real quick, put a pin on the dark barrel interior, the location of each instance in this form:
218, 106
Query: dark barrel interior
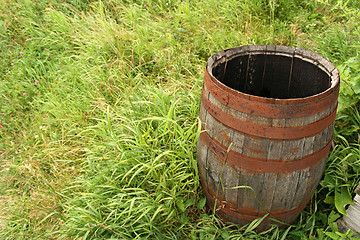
272, 76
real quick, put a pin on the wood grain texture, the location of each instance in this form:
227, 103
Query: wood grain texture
275, 149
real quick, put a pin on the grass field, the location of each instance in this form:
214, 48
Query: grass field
99, 113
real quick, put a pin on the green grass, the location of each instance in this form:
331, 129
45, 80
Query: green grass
99, 107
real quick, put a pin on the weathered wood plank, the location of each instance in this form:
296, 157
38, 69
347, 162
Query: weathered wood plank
255, 71
300, 188
269, 185
275, 149
202, 156
246, 199
283, 185
294, 178
214, 175
238, 142
292, 149
231, 181
256, 147
315, 173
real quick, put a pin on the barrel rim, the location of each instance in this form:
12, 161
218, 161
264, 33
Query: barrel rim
301, 53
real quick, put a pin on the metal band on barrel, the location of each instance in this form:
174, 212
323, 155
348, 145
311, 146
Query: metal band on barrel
235, 159
265, 131
247, 213
268, 107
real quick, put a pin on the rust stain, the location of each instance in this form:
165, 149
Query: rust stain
294, 150
268, 107
248, 213
235, 159
265, 131
255, 150
226, 138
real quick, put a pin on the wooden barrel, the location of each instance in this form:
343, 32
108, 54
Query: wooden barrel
267, 115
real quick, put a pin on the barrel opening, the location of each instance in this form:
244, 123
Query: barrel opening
272, 75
